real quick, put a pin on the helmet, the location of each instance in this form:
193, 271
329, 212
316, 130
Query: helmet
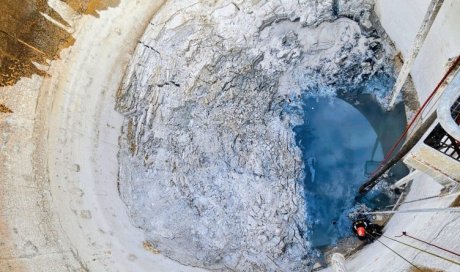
361, 231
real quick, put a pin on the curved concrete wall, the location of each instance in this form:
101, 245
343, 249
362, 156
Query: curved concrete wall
60, 209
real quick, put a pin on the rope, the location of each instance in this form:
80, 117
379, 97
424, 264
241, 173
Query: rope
425, 198
419, 111
416, 267
422, 250
455, 210
405, 234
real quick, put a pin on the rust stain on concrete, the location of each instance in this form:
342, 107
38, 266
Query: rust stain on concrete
5, 109
91, 6
26, 36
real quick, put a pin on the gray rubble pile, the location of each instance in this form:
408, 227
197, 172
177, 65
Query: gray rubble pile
209, 167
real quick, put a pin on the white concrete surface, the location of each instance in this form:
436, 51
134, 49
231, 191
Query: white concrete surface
60, 209
402, 19
445, 114
425, 26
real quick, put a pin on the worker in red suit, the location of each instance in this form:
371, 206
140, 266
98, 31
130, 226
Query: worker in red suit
366, 231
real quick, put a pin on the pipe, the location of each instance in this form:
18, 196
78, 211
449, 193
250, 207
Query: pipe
428, 20
405, 179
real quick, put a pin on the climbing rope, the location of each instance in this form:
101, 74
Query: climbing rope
405, 234
402, 257
422, 250
452, 210
412, 122
425, 198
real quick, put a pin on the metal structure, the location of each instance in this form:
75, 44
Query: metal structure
441, 140
444, 143
417, 155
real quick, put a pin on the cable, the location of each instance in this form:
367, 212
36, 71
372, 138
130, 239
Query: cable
422, 250
425, 198
416, 267
405, 234
427, 210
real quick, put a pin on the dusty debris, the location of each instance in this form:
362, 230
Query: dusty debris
209, 167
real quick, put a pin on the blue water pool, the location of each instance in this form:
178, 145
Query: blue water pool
342, 139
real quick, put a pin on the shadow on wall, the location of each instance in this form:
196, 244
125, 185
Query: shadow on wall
28, 37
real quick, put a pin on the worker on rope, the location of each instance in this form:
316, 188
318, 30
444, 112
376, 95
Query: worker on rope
365, 230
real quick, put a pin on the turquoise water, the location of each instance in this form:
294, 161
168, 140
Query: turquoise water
342, 139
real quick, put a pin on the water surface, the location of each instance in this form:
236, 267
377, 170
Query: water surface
342, 141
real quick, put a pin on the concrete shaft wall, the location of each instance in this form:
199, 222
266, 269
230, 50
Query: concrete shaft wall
402, 19
59, 211
59, 207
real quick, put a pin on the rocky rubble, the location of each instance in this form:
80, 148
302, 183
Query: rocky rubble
209, 167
